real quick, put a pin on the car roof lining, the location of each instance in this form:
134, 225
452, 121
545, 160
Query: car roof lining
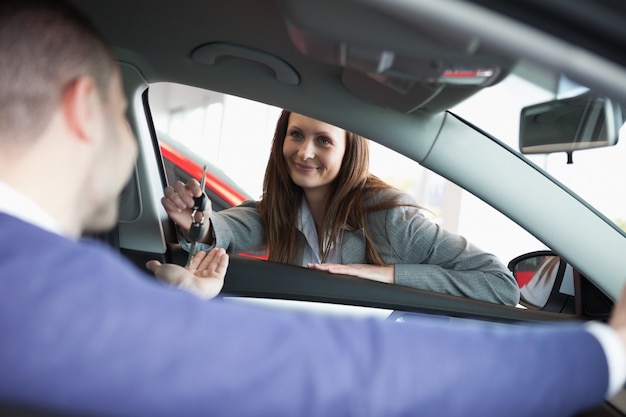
175, 56
160, 58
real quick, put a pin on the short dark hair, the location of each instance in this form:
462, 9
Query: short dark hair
44, 47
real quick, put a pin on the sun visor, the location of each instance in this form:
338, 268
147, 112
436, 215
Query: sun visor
428, 68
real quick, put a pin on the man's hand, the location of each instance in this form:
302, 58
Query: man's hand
383, 273
178, 202
204, 276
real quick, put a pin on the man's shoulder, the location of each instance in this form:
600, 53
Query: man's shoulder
22, 239
26, 249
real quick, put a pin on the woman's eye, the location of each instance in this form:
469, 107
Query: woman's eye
295, 134
324, 140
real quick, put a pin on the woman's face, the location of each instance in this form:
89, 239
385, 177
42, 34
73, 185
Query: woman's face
313, 151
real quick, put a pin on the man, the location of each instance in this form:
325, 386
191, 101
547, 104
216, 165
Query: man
84, 332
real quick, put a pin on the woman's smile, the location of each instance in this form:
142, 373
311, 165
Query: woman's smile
305, 168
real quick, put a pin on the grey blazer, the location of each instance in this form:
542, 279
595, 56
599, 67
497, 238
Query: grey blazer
425, 255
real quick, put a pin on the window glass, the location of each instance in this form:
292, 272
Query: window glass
235, 135
231, 133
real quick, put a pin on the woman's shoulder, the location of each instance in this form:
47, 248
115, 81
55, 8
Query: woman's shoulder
389, 194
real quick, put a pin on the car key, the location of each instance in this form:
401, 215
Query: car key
197, 218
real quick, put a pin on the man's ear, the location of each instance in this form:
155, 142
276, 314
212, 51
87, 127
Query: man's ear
79, 105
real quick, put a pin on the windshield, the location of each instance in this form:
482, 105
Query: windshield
596, 175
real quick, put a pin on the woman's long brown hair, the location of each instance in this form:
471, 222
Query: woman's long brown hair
346, 209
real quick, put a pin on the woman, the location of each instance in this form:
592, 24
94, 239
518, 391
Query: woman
321, 208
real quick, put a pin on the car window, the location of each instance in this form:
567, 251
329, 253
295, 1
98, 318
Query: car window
216, 127
235, 134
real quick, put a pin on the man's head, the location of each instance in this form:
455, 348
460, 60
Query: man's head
62, 109
43, 48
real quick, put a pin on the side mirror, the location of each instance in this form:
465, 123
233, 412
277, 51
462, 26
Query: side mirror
546, 281
566, 125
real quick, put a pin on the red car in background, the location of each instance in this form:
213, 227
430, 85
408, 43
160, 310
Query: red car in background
181, 164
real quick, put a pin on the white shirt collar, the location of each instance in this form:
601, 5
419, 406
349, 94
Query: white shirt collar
16, 204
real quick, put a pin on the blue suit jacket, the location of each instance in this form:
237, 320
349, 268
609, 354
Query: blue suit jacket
83, 330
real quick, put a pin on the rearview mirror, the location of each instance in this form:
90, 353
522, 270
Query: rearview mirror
567, 125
